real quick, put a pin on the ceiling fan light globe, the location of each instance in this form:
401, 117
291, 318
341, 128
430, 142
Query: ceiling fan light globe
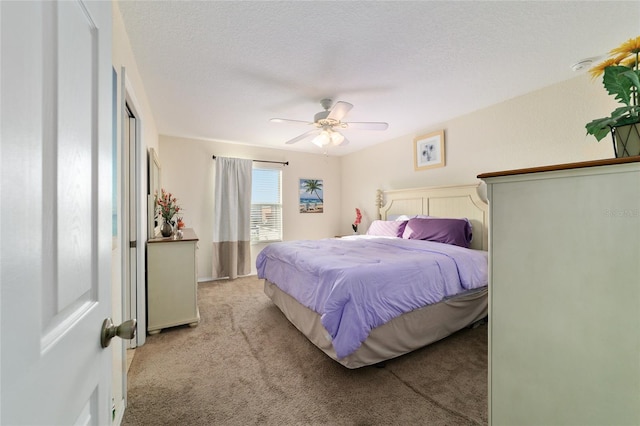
336, 138
324, 138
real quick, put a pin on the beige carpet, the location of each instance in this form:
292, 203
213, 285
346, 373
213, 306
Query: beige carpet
245, 364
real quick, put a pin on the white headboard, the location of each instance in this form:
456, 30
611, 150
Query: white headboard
446, 201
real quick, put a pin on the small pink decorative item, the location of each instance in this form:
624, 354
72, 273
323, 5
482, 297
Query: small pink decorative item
357, 221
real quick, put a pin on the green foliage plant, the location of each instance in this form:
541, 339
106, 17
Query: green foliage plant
621, 79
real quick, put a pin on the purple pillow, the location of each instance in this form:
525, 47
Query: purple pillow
441, 230
387, 228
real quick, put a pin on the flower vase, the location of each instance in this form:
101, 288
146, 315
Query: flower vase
166, 229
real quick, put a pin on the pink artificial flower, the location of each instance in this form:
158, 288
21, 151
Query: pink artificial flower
357, 221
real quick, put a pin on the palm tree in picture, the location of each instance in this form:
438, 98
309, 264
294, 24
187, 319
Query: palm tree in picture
312, 186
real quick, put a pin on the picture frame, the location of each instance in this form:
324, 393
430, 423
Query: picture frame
311, 195
428, 151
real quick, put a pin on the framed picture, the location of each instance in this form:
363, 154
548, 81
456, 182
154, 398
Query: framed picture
429, 151
311, 196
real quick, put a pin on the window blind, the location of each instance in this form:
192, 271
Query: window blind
266, 205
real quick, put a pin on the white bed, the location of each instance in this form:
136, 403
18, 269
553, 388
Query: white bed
421, 326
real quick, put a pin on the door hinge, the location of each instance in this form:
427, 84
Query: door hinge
132, 244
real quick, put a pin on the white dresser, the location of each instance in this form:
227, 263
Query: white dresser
564, 307
172, 282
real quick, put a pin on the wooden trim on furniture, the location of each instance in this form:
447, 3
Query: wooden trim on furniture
558, 167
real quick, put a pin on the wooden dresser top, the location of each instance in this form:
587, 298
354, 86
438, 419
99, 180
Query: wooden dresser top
566, 166
188, 235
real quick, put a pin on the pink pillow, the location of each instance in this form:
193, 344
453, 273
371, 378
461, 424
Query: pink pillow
441, 230
387, 228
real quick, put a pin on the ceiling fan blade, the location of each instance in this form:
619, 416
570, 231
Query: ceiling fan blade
339, 110
366, 125
302, 136
286, 120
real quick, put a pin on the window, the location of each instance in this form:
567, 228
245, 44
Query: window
266, 205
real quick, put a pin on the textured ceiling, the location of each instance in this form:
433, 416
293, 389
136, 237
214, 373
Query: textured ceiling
221, 69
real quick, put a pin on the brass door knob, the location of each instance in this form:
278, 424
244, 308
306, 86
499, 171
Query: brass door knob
126, 330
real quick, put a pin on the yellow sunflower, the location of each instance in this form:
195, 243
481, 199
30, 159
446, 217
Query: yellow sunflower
628, 47
630, 62
598, 70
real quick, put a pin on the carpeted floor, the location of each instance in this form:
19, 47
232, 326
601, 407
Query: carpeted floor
246, 364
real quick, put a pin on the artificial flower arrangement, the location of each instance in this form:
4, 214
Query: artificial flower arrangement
621, 80
166, 206
357, 221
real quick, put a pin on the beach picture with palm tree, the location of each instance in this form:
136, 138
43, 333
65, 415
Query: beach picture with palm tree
311, 196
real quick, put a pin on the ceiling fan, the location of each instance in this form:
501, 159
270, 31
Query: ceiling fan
327, 122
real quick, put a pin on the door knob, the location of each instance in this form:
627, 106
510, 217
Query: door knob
126, 330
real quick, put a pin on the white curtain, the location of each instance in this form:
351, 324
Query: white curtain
232, 213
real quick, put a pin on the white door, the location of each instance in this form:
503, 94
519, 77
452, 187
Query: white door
55, 221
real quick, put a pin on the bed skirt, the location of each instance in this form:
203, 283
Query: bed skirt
399, 336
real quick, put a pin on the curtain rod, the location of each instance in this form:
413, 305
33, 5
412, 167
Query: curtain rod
284, 163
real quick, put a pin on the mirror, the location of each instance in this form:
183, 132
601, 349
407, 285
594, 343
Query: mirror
153, 167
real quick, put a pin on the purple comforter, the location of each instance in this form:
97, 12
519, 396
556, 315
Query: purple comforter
359, 283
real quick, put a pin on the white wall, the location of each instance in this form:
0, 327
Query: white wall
187, 170
540, 128
123, 57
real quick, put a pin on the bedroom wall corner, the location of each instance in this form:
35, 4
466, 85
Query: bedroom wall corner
539, 128
188, 172
122, 56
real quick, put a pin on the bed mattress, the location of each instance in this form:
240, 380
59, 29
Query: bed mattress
399, 336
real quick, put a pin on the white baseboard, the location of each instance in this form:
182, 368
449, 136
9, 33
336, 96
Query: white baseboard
206, 279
